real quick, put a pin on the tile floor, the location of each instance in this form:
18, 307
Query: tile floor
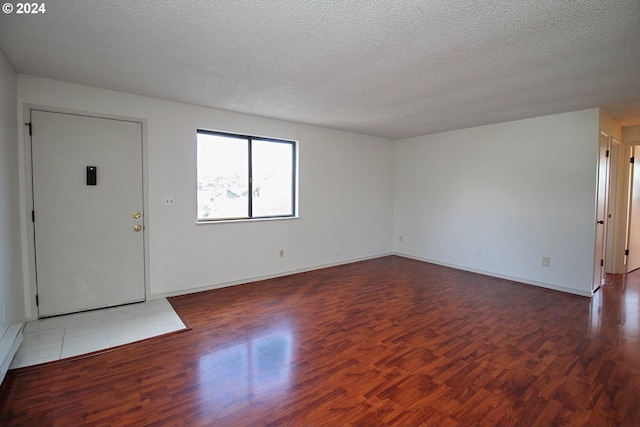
60, 337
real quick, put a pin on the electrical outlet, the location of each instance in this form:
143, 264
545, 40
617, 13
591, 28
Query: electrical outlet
169, 201
400, 239
339, 252
281, 253
478, 252
546, 261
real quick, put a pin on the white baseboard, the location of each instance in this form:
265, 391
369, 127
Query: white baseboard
350, 261
9, 345
266, 277
500, 276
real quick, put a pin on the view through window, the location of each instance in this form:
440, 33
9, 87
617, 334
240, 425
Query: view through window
244, 177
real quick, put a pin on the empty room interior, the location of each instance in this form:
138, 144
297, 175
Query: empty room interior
320, 213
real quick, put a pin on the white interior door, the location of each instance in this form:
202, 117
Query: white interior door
601, 212
89, 244
633, 259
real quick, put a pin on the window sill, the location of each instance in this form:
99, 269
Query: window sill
227, 221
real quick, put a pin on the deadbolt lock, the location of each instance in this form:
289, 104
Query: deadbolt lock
137, 228
136, 215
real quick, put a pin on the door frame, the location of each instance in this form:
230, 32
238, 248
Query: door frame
600, 251
630, 171
28, 230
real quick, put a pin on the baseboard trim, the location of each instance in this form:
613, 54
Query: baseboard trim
265, 277
499, 275
9, 345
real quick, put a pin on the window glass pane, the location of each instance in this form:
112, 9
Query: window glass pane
223, 177
272, 178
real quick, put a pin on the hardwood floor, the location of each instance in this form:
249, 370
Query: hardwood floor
389, 341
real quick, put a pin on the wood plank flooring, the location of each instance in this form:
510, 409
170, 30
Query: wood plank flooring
389, 341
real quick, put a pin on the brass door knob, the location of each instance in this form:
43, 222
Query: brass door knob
137, 228
136, 215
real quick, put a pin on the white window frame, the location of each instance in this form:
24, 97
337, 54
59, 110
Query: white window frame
294, 178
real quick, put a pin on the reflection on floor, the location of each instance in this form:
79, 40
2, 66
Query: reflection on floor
615, 309
60, 337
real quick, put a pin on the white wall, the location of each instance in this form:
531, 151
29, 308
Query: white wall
11, 291
631, 134
516, 191
346, 186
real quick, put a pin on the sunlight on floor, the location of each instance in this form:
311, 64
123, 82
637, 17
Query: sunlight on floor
60, 337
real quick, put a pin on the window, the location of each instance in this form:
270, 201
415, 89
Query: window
245, 177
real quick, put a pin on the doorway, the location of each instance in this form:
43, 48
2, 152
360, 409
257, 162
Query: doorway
88, 212
601, 212
633, 222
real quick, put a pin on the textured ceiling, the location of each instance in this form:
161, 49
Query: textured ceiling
394, 69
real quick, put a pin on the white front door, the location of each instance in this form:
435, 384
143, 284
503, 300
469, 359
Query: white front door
88, 210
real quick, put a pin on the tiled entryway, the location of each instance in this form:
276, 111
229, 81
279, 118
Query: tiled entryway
60, 337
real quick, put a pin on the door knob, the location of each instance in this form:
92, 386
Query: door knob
136, 215
137, 228
601, 222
